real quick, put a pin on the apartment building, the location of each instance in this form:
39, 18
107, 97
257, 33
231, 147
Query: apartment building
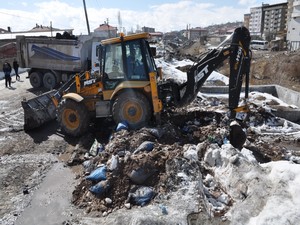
247, 20
268, 21
256, 21
293, 34
275, 21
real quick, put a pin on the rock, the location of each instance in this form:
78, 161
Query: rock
108, 201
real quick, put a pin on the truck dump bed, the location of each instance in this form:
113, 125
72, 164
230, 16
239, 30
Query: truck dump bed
53, 54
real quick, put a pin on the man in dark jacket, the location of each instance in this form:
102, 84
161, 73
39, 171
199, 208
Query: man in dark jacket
7, 71
16, 68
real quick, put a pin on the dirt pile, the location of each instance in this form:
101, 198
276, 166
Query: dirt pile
137, 165
269, 67
280, 68
151, 158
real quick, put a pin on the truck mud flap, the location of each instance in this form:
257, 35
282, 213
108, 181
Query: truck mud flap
39, 110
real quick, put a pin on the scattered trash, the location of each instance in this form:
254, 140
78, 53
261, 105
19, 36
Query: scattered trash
141, 196
145, 146
163, 209
88, 166
140, 175
225, 141
127, 205
191, 153
25, 191
122, 126
96, 148
113, 162
158, 133
98, 174
99, 188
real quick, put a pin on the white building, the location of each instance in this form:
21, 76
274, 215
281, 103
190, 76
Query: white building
38, 30
255, 22
293, 34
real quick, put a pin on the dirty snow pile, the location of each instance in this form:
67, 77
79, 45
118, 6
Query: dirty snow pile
215, 184
170, 71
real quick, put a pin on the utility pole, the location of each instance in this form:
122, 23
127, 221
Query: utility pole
86, 17
51, 27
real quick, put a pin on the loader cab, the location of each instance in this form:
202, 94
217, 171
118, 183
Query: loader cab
125, 59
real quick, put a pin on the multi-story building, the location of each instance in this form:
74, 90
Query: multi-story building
256, 21
196, 33
293, 34
148, 29
268, 21
247, 20
274, 21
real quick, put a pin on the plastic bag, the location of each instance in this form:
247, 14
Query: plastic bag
142, 195
99, 188
122, 126
145, 146
140, 175
98, 174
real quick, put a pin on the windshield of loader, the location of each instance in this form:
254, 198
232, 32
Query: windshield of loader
114, 62
135, 62
129, 60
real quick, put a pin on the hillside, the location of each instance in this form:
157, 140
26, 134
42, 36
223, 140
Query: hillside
269, 67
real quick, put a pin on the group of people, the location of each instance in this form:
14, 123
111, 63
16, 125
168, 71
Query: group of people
7, 71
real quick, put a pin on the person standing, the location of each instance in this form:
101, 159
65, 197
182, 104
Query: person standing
16, 68
7, 71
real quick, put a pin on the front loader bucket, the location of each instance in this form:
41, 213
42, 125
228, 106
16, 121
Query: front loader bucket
39, 110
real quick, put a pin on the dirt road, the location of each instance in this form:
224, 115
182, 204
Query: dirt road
27, 159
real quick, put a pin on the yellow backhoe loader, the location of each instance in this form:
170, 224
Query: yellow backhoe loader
129, 87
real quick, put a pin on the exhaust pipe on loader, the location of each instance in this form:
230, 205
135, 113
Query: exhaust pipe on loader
39, 110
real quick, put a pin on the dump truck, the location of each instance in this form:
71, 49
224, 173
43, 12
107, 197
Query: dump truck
53, 60
130, 88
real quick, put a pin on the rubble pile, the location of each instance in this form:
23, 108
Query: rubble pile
135, 168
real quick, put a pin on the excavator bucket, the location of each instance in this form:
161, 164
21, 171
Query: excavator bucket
39, 110
237, 136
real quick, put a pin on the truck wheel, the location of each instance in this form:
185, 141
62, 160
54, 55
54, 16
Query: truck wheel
73, 117
49, 80
132, 107
35, 79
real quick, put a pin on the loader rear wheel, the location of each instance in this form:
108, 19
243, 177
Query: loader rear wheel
49, 80
73, 117
35, 79
132, 107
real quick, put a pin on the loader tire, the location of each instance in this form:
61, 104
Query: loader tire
73, 117
132, 107
35, 79
49, 80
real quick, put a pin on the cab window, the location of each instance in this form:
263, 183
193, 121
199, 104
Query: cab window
135, 61
113, 67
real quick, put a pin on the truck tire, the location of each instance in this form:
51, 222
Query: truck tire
73, 117
132, 107
35, 79
49, 80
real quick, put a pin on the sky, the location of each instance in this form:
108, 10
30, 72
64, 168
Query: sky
164, 16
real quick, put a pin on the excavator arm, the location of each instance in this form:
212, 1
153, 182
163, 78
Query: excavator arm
239, 59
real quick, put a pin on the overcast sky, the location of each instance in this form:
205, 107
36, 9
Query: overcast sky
164, 15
